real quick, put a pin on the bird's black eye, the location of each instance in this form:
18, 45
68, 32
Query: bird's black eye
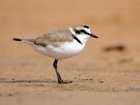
85, 26
81, 31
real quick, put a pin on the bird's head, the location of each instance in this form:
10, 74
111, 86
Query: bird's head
82, 32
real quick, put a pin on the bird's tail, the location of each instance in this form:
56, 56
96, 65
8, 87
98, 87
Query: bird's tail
17, 39
28, 41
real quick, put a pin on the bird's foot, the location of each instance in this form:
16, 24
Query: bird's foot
64, 82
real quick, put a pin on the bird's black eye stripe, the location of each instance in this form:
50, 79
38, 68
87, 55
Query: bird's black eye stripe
81, 31
85, 26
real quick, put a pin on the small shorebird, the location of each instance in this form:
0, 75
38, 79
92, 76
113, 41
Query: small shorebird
61, 44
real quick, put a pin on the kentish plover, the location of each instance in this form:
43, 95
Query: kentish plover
61, 44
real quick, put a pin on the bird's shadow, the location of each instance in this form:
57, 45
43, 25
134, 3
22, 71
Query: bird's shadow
29, 81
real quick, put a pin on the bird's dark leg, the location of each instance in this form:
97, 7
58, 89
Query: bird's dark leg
57, 73
60, 80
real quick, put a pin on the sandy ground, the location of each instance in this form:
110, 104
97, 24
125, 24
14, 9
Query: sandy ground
106, 72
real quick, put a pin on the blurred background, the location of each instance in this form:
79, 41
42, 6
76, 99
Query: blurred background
116, 23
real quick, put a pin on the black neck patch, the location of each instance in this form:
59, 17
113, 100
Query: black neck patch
76, 39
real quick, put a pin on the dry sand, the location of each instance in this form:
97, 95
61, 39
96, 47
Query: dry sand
107, 72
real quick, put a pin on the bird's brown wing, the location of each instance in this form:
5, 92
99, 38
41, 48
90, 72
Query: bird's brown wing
54, 38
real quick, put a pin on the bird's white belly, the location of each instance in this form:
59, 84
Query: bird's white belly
62, 51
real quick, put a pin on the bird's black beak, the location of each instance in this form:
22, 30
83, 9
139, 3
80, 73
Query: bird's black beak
93, 36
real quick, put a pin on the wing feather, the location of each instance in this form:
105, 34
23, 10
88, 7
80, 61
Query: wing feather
54, 38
